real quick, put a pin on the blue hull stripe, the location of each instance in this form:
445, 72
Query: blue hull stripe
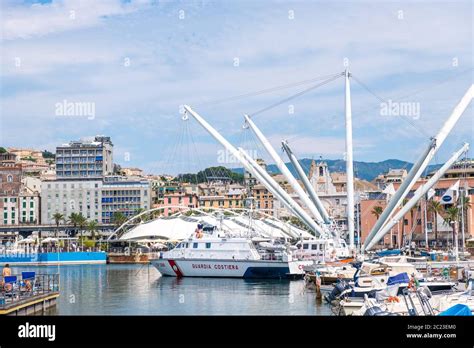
266, 272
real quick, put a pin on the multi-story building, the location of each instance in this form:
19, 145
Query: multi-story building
29, 207
10, 185
132, 171
413, 225
120, 194
177, 198
82, 196
31, 161
233, 198
394, 176
85, 159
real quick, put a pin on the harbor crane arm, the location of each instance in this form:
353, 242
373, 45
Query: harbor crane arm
421, 164
280, 193
418, 195
285, 171
261, 176
307, 184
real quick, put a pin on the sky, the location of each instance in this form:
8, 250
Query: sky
132, 64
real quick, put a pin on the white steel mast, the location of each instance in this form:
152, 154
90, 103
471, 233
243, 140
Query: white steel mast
283, 196
420, 192
261, 176
421, 164
307, 184
284, 170
349, 162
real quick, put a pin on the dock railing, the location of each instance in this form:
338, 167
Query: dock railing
28, 286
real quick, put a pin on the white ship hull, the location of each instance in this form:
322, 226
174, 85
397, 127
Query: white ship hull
230, 269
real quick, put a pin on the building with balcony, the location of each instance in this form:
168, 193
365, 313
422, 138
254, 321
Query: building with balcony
127, 196
85, 159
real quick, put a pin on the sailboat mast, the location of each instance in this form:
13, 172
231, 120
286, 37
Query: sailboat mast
349, 162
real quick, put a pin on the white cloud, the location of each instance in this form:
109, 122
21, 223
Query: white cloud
60, 15
191, 61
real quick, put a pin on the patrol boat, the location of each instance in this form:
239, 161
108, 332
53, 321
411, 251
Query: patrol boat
214, 255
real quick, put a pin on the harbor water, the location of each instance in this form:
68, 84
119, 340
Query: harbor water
141, 290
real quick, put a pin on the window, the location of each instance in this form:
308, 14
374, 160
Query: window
195, 245
314, 247
208, 245
9, 178
405, 222
305, 246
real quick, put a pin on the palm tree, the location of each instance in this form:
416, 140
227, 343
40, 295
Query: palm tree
466, 205
73, 219
119, 218
138, 212
58, 217
436, 208
402, 242
81, 222
92, 228
452, 215
377, 211
412, 218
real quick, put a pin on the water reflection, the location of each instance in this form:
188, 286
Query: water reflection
141, 290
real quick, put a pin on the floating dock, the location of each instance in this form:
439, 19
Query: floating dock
29, 293
30, 305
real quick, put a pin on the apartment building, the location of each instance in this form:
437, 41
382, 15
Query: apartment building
85, 159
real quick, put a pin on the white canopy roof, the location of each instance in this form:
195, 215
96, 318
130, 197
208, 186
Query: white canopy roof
167, 229
26, 240
49, 240
181, 227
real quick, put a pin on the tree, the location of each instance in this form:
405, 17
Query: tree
138, 212
377, 211
2, 150
452, 215
92, 228
436, 208
73, 219
47, 154
58, 217
119, 218
81, 222
466, 205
